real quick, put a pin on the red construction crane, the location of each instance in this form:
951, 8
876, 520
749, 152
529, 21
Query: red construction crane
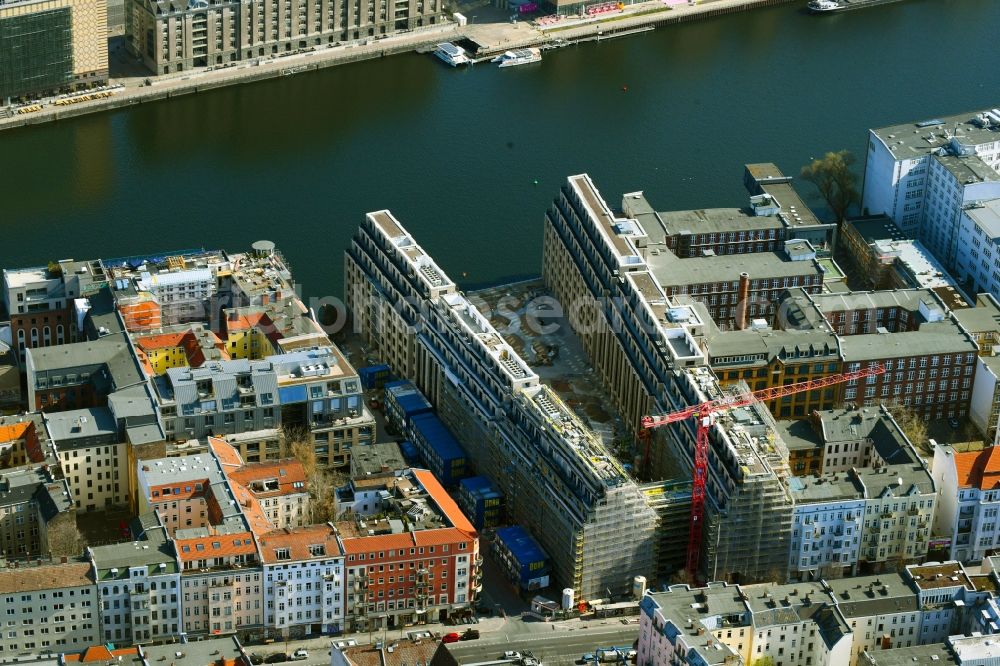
703, 413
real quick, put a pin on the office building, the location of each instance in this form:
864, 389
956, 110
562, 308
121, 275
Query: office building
52, 46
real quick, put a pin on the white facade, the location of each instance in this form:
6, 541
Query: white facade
308, 594
826, 538
969, 510
140, 603
983, 410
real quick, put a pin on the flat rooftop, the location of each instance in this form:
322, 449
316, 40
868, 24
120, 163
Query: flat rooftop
672, 271
26, 577
987, 217
714, 220
934, 576
914, 139
968, 169
939, 337
933, 654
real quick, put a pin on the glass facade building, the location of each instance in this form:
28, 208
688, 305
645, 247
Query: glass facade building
36, 52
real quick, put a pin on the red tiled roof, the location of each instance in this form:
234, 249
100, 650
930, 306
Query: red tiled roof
101, 653
286, 472
227, 547
297, 540
226, 454
978, 469
252, 510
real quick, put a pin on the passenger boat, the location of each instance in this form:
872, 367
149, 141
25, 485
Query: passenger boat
518, 57
451, 54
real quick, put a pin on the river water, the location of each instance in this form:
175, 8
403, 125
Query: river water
456, 153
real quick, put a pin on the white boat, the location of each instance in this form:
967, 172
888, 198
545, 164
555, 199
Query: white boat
821, 6
451, 54
518, 57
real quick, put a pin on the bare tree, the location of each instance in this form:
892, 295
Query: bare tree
832, 176
321, 481
911, 423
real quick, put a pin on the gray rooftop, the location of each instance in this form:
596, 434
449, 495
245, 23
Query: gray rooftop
713, 220
710, 607
80, 424
151, 551
196, 653
376, 458
987, 217
933, 654
199, 467
914, 139
826, 488
113, 352
877, 227
672, 271
883, 594
968, 169
984, 317
770, 344
939, 337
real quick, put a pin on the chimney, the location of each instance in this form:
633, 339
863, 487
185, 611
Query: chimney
742, 296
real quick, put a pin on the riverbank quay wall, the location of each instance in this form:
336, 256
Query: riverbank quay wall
193, 82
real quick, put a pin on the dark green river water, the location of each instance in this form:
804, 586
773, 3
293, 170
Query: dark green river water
455, 152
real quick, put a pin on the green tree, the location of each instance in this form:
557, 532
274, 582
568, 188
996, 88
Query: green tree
832, 176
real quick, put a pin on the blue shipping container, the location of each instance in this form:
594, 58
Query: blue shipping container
521, 555
438, 447
374, 376
480, 501
403, 401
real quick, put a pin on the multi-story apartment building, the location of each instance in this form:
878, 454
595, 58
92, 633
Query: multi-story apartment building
49, 608
313, 390
23, 440
424, 570
139, 586
844, 622
563, 484
170, 38
982, 322
42, 302
734, 288
80, 375
280, 489
304, 577
871, 509
37, 516
93, 456
944, 591
742, 625
969, 507
52, 46
984, 408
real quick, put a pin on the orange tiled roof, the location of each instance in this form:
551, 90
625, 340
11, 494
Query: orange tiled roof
227, 455
978, 469
240, 543
252, 510
297, 541
286, 472
15, 431
444, 501
101, 653
434, 537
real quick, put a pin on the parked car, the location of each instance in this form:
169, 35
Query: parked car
299, 655
450, 638
276, 658
470, 634
954, 423
256, 658
511, 654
